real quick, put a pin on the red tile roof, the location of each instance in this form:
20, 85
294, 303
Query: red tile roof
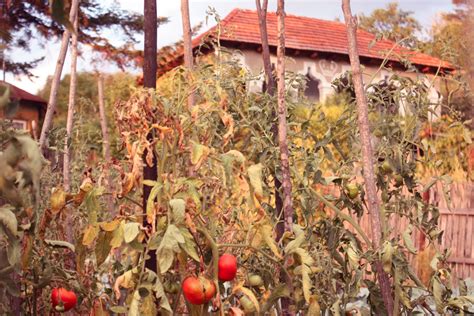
21, 94
310, 34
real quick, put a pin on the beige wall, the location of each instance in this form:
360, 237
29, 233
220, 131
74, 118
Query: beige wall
325, 71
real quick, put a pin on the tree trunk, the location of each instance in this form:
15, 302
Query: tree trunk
282, 125
105, 144
48, 119
267, 65
373, 204
149, 81
187, 43
70, 110
270, 89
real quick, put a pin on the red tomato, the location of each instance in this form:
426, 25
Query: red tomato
209, 289
62, 297
227, 267
198, 290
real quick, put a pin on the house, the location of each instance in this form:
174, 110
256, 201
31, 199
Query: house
317, 49
29, 112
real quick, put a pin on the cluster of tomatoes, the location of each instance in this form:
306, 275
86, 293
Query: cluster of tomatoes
200, 290
197, 290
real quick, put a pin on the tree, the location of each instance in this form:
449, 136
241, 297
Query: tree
150, 169
392, 23
452, 40
373, 204
24, 21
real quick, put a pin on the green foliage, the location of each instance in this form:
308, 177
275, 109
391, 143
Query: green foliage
45, 20
392, 23
215, 193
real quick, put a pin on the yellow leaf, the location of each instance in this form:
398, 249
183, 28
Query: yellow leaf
387, 254
57, 200
117, 237
90, 234
198, 153
267, 235
255, 176
110, 226
248, 293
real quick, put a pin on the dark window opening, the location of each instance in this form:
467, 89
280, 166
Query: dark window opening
312, 87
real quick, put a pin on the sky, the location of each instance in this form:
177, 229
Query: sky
425, 11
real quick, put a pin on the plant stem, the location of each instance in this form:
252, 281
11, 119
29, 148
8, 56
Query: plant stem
367, 152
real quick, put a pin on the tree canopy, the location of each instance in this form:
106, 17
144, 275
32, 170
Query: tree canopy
392, 23
22, 22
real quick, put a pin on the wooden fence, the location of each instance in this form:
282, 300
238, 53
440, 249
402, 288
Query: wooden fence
457, 223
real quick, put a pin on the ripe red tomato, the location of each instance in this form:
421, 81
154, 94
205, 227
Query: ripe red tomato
209, 289
63, 298
198, 290
227, 267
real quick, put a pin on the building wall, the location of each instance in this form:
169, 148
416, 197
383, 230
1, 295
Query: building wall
27, 114
326, 70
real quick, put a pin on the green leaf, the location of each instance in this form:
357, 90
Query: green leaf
5, 98
165, 259
279, 292
60, 244
178, 207
14, 252
408, 241
198, 153
168, 246
150, 203
294, 244
189, 246
131, 231
161, 295
438, 290
102, 247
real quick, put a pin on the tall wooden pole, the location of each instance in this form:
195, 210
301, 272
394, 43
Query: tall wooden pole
373, 204
267, 65
53, 95
70, 110
105, 143
282, 124
149, 81
187, 44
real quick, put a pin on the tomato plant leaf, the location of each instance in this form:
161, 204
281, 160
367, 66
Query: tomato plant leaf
408, 241
255, 176
90, 234
60, 244
8, 220
189, 246
178, 207
267, 234
130, 231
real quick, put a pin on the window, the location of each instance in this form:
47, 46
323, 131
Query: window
19, 124
312, 87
